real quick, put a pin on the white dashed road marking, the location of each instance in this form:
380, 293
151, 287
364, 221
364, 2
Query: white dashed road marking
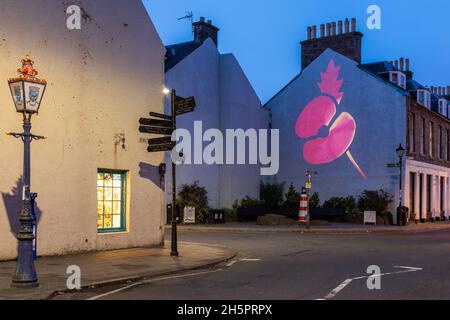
344, 284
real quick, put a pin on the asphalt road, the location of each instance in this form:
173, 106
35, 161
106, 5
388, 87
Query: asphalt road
297, 267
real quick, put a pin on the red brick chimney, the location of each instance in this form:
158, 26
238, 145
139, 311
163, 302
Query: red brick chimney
205, 29
347, 42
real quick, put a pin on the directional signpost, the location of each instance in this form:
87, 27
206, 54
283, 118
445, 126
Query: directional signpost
166, 125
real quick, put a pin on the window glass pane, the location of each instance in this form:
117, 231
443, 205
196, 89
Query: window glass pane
117, 194
108, 194
117, 221
108, 180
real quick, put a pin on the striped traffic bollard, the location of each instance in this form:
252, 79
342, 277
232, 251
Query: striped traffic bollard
303, 211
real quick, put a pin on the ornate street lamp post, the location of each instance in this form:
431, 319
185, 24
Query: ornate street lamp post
400, 153
27, 92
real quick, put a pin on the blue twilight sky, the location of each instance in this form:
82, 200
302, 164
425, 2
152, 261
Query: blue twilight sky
264, 35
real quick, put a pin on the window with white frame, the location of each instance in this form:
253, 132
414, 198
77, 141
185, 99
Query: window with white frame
424, 98
398, 78
443, 107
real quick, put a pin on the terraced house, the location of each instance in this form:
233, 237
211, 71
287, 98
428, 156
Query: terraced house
345, 119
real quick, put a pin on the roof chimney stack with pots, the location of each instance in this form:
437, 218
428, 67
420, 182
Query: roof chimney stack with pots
346, 43
409, 74
205, 29
402, 64
314, 32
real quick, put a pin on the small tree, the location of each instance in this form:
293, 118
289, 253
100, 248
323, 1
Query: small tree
314, 201
271, 193
292, 196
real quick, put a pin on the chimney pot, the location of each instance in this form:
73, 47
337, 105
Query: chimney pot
402, 64
322, 30
448, 90
314, 32
354, 25
347, 26
407, 63
328, 29
202, 19
340, 27
333, 28
309, 33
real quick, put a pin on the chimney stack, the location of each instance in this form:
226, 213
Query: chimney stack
396, 64
205, 29
335, 36
407, 64
402, 64
448, 90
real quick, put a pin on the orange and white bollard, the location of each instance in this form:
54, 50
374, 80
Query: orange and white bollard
303, 211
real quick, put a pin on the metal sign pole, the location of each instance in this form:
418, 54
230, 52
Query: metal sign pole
174, 252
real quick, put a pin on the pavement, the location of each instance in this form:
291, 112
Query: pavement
108, 268
333, 228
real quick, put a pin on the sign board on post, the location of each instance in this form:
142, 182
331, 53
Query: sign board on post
370, 217
189, 215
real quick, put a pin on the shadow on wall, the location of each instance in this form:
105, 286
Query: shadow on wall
13, 206
150, 172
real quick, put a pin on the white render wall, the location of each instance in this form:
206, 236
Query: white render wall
101, 80
240, 108
225, 100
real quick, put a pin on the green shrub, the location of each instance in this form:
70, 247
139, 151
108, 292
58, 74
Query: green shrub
348, 204
378, 201
194, 195
248, 202
271, 193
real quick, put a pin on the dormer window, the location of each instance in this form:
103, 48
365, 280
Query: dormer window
443, 107
424, 98
398, 78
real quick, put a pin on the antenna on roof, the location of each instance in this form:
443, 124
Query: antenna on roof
189, 15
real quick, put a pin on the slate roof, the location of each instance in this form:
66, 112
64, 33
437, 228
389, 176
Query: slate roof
379, 67
413, 85
177, 52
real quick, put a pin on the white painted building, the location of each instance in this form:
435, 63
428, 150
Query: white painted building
225, 100
95, 186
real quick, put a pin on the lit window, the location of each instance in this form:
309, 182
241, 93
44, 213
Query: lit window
111, 201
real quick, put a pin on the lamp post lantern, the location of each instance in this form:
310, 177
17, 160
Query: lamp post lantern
400, 153
27, 92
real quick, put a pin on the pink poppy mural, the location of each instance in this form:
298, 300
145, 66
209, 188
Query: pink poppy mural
320, 112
